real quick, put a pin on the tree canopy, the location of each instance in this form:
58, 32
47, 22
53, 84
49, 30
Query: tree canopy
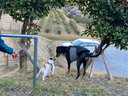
109, 17
110, 21
28, 10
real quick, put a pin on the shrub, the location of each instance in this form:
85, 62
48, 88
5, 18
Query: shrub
65, 23
73, 24
57, 17
41, 22
50, 21
58, 30
82, 20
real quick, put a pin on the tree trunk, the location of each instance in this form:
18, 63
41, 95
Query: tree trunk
23, 56
103, 45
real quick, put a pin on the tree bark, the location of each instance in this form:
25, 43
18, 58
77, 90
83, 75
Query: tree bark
101, 48
26, 20
23, 57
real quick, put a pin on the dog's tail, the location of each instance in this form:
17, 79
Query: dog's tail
91, 54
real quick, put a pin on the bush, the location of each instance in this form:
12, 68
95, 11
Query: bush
82, 20
58, 30
73, 24
57, 17
65, 23
41, 22
50, 21
48, 28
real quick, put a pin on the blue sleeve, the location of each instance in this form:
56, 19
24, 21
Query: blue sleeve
4, 48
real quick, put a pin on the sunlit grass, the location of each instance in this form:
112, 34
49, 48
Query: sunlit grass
18, 83
58, 84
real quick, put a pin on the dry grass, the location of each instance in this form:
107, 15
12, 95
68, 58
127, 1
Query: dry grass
62, 84
17, 83
64, 37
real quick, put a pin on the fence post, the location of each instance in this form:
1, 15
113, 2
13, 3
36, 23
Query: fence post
1, 23
93, 62
10, 25
106, 65
92, 67
20, 27
4, 55
20, 61
6, 60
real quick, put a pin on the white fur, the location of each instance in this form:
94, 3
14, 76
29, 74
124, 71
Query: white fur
47, 70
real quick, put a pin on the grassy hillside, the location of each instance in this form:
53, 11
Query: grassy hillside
61, 84
67, 31
13, 82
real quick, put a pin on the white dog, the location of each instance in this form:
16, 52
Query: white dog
47, 67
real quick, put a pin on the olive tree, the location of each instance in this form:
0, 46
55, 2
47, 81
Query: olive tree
28, 10
109, 21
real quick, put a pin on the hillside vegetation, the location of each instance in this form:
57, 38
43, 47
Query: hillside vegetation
13, 82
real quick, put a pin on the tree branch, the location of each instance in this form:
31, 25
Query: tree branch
105, 47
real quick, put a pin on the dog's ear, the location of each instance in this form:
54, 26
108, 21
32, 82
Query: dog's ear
59, 49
